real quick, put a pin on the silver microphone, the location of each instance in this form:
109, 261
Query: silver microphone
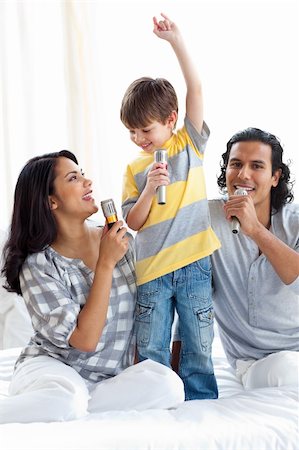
161, 157
109, 211
235, 224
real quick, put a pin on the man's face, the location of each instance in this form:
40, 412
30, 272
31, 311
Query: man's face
250, 167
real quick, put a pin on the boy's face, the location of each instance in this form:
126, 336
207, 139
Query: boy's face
153, 136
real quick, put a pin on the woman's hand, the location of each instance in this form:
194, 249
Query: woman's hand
114, 244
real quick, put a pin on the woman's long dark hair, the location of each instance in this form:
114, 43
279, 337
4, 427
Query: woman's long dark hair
282, 193
33, 226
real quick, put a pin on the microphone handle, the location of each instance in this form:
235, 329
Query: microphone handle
160, 156
235, 225
161, 195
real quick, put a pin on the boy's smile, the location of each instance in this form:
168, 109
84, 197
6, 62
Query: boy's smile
153, 136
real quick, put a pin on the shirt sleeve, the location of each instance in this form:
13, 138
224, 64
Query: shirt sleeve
130, 193
49, 302
294, 286
199, 140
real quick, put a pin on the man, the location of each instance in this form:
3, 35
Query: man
255, 273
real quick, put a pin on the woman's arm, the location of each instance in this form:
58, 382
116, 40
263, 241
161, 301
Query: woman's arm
92, 317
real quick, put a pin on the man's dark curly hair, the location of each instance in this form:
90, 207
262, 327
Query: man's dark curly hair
282, 193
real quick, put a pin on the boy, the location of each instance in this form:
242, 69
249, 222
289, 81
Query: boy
174, 242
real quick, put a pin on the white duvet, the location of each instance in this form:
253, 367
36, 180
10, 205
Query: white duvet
260, 419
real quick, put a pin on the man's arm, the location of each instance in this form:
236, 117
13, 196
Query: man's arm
166, 29
284, 259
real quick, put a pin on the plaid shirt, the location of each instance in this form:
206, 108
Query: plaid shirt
55, 289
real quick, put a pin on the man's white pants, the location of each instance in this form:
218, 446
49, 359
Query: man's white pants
44, 389
277, 369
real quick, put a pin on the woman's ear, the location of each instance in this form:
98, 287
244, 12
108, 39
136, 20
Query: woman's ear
52, 202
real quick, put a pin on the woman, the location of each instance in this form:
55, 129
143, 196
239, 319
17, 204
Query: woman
78, 285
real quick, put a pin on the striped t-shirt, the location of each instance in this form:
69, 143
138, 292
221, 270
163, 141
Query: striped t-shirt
178, 233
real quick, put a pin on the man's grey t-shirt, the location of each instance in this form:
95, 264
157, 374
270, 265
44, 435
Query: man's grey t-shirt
257, 313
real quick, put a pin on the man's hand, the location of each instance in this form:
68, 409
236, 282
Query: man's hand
242, 207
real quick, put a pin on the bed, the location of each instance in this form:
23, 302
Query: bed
255, 420
260, 419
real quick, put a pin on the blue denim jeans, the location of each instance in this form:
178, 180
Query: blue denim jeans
189, 291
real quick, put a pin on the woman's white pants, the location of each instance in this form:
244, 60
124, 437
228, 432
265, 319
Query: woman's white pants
44, 389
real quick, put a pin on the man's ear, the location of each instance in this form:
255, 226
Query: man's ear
52, 202
276, 176
172, 119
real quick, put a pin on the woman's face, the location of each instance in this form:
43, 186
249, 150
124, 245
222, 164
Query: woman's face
72, 191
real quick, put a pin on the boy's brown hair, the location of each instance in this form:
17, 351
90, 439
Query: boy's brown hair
148, 99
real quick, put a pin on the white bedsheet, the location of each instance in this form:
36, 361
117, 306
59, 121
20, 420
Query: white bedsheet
261, 419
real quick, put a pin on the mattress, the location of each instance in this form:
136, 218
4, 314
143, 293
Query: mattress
260, 419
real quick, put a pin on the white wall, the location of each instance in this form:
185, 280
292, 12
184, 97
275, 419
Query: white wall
246, 53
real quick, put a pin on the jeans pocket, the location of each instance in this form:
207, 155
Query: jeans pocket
143, 320
150, 289
205, 321
199, 281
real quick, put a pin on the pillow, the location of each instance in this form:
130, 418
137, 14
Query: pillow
15, 322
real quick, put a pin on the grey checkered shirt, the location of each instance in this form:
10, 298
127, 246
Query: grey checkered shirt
55, 289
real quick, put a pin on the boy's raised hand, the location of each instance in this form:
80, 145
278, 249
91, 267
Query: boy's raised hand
168, 30
165, 29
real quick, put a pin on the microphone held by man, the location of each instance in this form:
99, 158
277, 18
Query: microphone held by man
235, 223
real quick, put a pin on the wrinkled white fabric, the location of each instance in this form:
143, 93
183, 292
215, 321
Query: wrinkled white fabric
44, 389
275, 370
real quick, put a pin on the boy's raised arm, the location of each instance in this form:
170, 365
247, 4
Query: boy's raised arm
168, 30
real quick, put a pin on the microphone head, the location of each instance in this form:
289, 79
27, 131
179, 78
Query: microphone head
109, 211
240, 191
160, 156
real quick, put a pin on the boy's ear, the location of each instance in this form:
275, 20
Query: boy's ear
172, 118
52, 202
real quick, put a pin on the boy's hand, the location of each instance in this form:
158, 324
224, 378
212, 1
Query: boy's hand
158, 176
168, 30
165, 29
